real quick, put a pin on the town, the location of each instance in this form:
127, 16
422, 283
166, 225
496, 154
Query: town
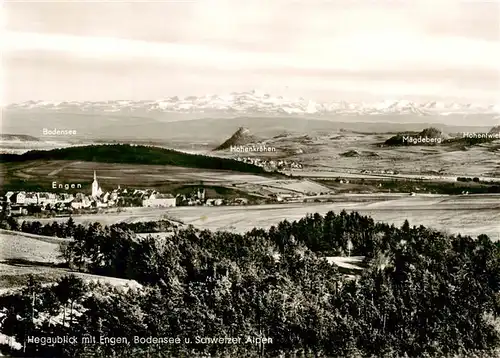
270, 165
18, 203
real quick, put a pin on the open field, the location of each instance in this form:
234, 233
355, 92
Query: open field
165, 178
15, 275
386, 186
20, 147
23, 246
453, 214
112, 174
468, 214
414, 177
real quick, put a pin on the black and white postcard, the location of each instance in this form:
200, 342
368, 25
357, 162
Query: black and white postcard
263, 178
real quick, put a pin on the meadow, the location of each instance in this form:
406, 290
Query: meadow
23, 255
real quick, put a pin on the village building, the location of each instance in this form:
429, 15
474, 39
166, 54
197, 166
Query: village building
23, 198
80, 204
47, 198
214, 202
8, 195
159, 200
240, 201
81, 201
31, 199
65, 197
18, 198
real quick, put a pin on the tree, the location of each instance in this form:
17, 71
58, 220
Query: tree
70, 227
421, 292
69, 290
66, 252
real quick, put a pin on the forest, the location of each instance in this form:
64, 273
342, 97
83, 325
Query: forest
423, 293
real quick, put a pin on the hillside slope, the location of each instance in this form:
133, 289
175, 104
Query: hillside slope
241, 137
431, 132
23, 246
133, 154
494, 130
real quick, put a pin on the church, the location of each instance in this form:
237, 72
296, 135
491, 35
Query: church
96, 189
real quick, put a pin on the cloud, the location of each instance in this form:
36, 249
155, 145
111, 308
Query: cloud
373, 51
52, 76
424, 47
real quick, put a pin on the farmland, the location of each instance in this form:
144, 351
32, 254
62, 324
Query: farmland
41, 174
471, 214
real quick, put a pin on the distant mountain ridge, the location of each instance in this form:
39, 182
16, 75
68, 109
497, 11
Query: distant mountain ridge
18, 137
254, 102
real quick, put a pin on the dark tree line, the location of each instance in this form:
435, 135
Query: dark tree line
67, 229
423, 293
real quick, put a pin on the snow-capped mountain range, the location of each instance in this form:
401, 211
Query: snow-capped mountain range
255, 102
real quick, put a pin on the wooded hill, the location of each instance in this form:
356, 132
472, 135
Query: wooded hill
133, 154
422, 294
398, 140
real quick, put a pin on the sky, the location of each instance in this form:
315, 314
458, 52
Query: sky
326, 51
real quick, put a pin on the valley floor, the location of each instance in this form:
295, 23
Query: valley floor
467, 214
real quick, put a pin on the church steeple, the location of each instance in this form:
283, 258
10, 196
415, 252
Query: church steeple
96, 190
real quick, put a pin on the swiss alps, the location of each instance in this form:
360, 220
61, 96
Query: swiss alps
254, 102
